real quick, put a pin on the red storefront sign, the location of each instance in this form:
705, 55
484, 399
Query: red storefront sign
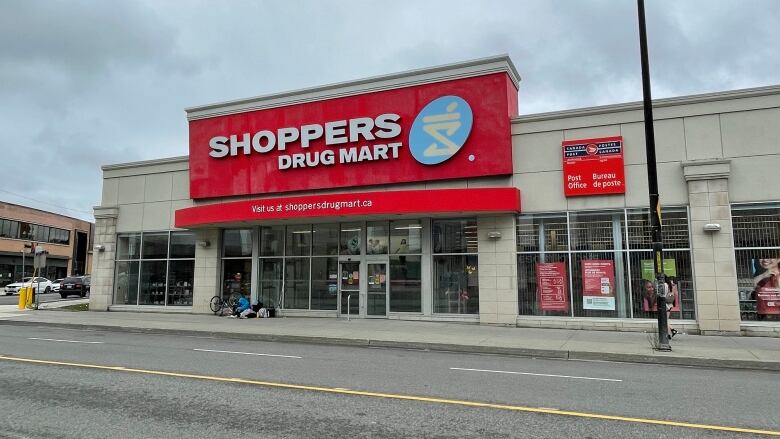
443, 130
593, 167
432, 201
551, 288
598, 284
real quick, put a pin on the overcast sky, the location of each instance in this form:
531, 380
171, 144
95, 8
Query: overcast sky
89, 83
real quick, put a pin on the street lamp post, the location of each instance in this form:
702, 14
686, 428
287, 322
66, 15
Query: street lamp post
652, 184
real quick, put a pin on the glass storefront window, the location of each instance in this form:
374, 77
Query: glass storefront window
181, 274
272, 241
600, 259
542, 233
296, 283
674, 226
378, 234
270, 291
154, 246
454, 236
405, 283
237, 243
543, 283
325, 241
182, 245
236, 277
677, 264
757, 255
126, 282
455, 284
298, 241
129, 246
349, 242
324, 283
599, 284
405, 237
593, 231
152, 290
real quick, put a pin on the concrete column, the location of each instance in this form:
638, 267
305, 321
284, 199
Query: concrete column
102, 286
714, 265
497, 270
207, 277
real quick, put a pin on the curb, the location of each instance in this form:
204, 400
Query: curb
557, 354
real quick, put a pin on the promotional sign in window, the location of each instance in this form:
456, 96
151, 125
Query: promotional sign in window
593, 167
648, 273
766, 280
444, 130
598, 284
551, 286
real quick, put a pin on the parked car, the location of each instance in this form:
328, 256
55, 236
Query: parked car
73, 285
55, 285
88, 282
37, 283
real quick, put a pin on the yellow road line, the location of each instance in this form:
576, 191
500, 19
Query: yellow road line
401, 397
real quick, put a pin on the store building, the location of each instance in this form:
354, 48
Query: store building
68, 241
399, 197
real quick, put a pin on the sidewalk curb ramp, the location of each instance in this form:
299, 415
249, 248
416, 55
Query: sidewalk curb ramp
559, 354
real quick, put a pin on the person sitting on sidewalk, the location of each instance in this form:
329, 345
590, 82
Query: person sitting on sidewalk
241, 307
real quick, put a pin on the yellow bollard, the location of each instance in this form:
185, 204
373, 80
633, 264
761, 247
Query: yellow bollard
22, 297
30, 297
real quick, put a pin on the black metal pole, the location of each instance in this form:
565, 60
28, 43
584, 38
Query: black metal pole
652, 184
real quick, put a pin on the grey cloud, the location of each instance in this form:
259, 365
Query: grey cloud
86, 83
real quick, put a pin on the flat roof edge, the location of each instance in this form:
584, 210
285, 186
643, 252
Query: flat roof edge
657, 103
138, 164
465, 69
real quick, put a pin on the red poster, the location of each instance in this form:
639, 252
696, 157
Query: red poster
552, 294
593, 167
598, 284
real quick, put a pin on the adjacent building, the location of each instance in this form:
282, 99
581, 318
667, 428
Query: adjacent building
400, 197
67, 240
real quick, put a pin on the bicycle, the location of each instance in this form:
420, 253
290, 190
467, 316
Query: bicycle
218, 303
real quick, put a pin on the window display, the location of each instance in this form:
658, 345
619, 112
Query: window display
604, 259
155, 268
757, 255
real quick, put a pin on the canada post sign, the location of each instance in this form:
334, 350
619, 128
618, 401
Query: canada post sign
443, 130
593, 167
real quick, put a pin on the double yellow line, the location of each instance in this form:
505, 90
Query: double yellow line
394, 396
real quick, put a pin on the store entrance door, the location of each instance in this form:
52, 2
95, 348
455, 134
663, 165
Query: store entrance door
376, 291
349, 288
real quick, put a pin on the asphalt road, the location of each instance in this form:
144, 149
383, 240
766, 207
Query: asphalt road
51, 297
79, 401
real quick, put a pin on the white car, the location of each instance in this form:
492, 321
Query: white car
55, 285
37, 283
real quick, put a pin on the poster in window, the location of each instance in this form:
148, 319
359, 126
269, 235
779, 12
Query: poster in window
598, 284
766, 282
551, 286
648, 272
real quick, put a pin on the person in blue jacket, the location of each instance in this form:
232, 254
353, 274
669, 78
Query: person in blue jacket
242, 305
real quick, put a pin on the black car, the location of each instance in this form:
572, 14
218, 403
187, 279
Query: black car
74, 285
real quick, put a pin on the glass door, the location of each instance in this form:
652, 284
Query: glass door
349, 288
376, 292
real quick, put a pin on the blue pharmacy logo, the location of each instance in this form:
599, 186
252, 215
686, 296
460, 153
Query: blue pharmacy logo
440, 130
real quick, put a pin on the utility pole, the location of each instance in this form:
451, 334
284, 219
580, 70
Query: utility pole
652, 184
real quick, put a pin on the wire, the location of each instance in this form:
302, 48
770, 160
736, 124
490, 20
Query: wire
45, 202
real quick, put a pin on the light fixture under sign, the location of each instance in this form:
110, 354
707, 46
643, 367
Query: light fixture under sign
494, 235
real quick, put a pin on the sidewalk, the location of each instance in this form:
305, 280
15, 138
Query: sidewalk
688, 350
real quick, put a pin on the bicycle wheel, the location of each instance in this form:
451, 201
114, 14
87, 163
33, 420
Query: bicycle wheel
233, 300
215, 304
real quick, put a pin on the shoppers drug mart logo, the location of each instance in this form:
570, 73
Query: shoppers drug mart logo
440, 130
